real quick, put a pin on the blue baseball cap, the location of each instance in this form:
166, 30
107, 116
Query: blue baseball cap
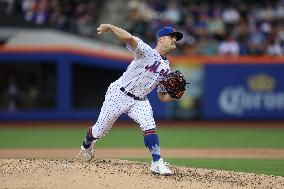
169, 31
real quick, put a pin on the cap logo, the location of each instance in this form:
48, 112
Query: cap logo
174, 29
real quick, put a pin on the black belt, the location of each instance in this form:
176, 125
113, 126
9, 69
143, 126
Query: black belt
130, 94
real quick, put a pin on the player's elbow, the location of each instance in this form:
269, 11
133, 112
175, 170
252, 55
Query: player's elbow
131, 41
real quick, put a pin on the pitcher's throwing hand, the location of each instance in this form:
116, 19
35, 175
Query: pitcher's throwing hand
103, 28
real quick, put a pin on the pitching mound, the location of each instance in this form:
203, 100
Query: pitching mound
104, 173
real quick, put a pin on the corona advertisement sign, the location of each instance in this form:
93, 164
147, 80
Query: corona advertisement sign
244, 91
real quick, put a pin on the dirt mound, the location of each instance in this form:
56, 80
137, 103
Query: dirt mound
104, 173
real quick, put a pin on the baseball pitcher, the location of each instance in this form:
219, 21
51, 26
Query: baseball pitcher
148, 70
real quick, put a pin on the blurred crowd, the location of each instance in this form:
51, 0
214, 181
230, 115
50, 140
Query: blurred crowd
243, 28
211, 27
76, 16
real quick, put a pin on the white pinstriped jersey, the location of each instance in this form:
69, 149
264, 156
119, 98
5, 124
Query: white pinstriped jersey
145, 72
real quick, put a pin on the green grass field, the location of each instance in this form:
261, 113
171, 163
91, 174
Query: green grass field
132, 137
169, 137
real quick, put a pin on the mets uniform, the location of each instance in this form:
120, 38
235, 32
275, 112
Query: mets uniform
128, 93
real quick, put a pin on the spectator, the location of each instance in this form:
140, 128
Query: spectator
27, 9
57, 19
231, 17
256, 39
40, 12
172, 13
215, 24
229, 46
274, 48
207, 46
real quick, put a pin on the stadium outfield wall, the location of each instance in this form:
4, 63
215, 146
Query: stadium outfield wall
220, 87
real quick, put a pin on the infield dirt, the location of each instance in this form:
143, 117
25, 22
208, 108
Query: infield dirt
121, 174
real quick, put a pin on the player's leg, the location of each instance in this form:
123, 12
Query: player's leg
142, 113
113, 106
109, 113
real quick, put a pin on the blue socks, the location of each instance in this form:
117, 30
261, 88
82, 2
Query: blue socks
88, 139
151, 141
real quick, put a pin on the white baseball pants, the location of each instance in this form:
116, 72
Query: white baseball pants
116, 103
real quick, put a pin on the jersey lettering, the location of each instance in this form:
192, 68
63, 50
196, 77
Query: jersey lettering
154, 67
164, 72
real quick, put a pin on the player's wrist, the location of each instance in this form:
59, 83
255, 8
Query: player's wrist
110, 27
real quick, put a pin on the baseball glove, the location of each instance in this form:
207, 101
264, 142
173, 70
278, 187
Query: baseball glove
174, 84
